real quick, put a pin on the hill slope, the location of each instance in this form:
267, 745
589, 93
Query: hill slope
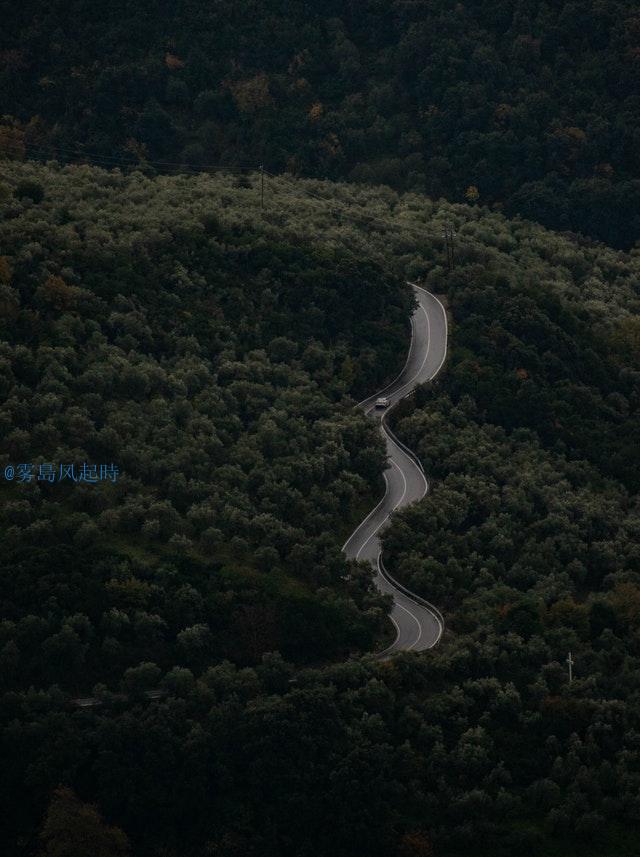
211, 349
210, 364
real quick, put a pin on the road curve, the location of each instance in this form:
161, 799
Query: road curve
419, 625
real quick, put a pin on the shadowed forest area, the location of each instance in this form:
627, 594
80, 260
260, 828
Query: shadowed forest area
526, 105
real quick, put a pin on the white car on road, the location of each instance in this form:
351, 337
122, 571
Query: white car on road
382, 402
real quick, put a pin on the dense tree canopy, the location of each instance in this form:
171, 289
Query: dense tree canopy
528, 105
214, 351
210, 364
528, 538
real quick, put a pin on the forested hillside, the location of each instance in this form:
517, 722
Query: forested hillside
209, 362
528, 540
525, 104
213, 350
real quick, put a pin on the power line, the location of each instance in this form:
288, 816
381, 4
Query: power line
344, 211
52, 152
449, 236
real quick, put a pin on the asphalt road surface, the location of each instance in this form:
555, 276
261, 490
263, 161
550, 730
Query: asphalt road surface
419, 625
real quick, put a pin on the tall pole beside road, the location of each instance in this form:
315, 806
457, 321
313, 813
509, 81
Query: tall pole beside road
570, 662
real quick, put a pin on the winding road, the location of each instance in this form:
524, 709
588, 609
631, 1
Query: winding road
418, 623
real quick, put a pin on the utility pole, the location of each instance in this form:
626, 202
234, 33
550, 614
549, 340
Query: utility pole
570, 661
261, 185
445, 235
452, 236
